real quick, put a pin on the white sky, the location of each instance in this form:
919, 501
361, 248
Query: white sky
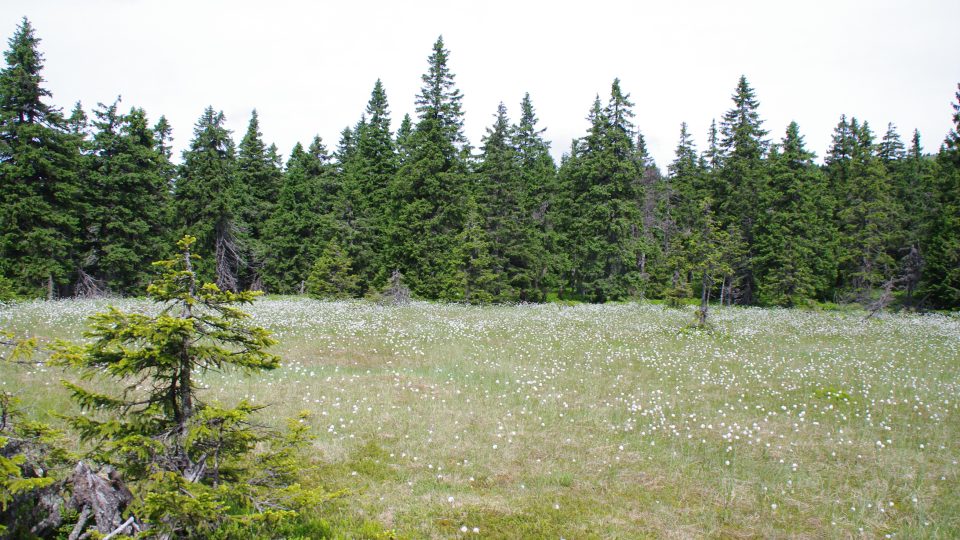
308, 67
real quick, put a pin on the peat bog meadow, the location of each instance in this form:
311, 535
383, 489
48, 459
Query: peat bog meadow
596, 421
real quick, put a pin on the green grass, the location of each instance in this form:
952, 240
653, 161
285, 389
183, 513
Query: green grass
583, 421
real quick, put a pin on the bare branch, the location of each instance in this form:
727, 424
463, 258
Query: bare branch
120, 529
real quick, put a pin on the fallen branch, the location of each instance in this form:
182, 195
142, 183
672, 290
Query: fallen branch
886, 297
120, 529
81, 524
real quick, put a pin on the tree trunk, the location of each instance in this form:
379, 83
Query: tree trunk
183, 401
704, 300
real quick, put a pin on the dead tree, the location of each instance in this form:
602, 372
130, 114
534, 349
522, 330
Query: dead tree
396, 291
102, 496
912, 265
227, 253
88, 286
885, 298
704, 309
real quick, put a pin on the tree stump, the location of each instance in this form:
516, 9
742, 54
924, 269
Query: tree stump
102, 496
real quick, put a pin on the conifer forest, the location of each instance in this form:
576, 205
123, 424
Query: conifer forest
745, 216
407, 334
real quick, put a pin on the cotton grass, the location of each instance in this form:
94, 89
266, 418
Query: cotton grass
603, 421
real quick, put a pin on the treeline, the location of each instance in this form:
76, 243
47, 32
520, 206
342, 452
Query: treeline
750, 218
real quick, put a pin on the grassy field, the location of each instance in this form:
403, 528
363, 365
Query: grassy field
611, 421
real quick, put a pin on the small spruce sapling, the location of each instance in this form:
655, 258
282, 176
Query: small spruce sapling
190, 463
332, 277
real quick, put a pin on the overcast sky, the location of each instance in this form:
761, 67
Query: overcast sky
308, 67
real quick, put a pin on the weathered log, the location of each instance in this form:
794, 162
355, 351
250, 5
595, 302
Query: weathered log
104, 495
48, 503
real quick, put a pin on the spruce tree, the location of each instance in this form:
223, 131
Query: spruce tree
379, 164
206, 199
163, 135
687, 182
475, 265
78, 125
430, 187
742, 178
500, 199
712, 251
440, 100
837, 162
352, 227
302, 223
605, 232
81, 135
866, 215
712, 159
538, 191
914, 183
347, 146
891, 149
366, 182
128, 199
893, 154
258, 186
332, 276
909, 173
197, 329
941, 274
836, 168
403, 140
189, 462
712, 156
682, 205
563, 212
794, 241
39, 189
568, 211
914, 178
